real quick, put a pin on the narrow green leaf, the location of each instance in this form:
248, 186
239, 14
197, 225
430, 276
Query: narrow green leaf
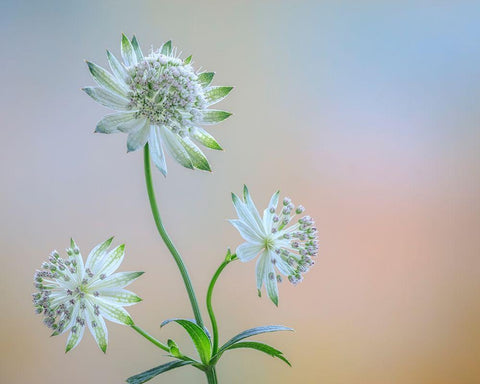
167, 48
213, 116
260, 347
205, 78
137, 49
188, 60
128, 55
151, 373
216, 94
252, 332
198, 335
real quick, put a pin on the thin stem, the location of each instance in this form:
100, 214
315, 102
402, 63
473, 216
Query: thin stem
166, 238
213, 320
211, 375
150, 338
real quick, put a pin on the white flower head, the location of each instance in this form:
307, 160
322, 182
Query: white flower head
283, 247
159, 99
73, 295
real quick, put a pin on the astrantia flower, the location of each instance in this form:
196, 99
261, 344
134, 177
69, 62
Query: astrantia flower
72, 295
288, 249
161, 100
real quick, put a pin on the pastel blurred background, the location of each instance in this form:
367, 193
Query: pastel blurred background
366, 112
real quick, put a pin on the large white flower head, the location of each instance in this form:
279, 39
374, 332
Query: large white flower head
288, 249
73, 295
161, 100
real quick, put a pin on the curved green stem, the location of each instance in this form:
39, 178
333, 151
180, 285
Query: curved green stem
166, 238
211, 375
150, 338
213, 320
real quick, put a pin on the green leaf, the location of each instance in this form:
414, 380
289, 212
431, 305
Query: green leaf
216, 94
108, 99
137, 49
261, 347
203, 137
175, 148
151, 373
252, 332
128, 55
188, 60
167, 48
106, 80
198, 335
213, 116
205, 78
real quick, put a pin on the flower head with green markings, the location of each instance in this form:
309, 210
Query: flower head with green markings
289, 249
161, 100
73, 295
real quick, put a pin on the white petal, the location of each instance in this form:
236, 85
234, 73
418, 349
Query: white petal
117, 68
108, 99
117, 280
128, 54
75, 337
138, 138
267, 215
97, 327
261, 268
117, 122
252, 208
271, 282
175, 148
112, 260
247, 216
246, 232
106, 80
247, 251
114, 313
119, 297
96, 255
283, 266
156, 150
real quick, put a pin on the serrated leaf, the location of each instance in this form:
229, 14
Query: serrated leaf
252, 332
198, 335
216, 94
205, 78
213, 116
166, 48
151, 373
260, 347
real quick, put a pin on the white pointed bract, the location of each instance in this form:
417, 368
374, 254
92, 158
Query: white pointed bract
159, 99
288, 249
72, 295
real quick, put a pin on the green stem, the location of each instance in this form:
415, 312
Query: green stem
211, 375
166, 238
150, 338
213, 320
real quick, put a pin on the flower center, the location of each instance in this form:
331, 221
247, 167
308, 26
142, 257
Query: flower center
269, 243
167, 92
